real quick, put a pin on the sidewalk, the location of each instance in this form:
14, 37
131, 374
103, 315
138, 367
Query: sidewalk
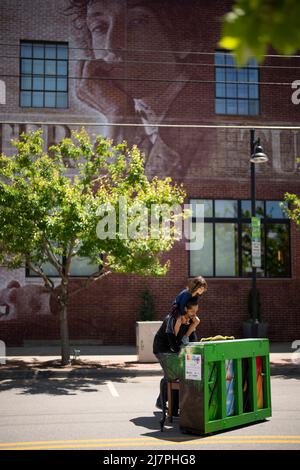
44, 362
90, 361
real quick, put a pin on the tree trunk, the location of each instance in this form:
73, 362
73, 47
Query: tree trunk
64, 328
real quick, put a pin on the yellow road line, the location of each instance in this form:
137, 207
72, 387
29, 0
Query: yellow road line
121, 439
151, 441
145, 444
175, 438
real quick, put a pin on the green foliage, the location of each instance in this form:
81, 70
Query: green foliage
45, 214
147, 307
254, 25
292, 207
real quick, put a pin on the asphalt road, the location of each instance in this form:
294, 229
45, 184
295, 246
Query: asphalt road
119, 414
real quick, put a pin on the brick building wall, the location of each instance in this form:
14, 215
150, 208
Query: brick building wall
214, 162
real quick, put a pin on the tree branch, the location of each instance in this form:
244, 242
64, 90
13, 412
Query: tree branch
48, 283
93, 278
52, 258
69, 256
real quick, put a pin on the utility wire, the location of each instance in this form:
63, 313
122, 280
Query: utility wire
192, 64
122, 124
173, 51
187, 81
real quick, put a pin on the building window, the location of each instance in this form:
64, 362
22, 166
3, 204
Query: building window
2, 92
80, 267
227, 240
237, 90
44, 75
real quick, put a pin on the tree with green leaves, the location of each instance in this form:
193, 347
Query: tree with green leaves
49, 211
252, 26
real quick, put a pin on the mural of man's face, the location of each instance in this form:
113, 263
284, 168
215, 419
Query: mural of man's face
137, 73
120, 30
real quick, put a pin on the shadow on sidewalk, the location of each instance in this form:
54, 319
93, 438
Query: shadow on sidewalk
55, 386
36, 364
285, 370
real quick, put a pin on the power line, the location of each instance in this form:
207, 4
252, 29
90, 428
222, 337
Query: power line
172, 51
122, 124
187, 81
191, 64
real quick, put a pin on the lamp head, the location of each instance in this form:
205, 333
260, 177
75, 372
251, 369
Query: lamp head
259, 155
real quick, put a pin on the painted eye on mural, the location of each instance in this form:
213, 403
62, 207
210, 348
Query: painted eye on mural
101, 27
138, 21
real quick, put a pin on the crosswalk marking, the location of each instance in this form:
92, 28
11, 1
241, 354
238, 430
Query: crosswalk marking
112, 389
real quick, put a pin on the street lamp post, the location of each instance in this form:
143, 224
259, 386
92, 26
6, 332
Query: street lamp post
253, 214
257, 156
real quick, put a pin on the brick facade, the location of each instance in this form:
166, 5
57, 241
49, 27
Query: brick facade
214, 163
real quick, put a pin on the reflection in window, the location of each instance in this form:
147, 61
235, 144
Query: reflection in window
236, 89
227, 208
227, 243
275, 210
201, 261
80, 267
44, 75
208, 206
48, 269
278, 250
247, 210
226, 249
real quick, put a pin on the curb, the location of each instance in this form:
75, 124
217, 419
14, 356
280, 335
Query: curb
27, 374
75, 374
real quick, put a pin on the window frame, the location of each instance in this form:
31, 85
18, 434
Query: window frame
236, 83
44, 76
30, 275
239, 220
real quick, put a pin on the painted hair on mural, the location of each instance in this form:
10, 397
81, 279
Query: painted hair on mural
179, 18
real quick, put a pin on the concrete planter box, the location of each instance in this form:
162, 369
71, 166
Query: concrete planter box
145, 332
